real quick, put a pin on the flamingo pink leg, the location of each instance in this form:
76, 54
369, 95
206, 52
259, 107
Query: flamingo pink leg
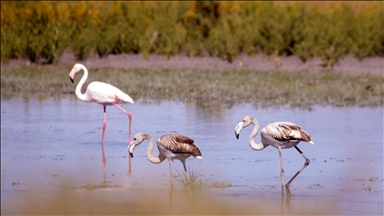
102, 140
129, 134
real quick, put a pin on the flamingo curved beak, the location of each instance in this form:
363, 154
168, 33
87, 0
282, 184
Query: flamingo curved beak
131, 147
74, 70
238, 128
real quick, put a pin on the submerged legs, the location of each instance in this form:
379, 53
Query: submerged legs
130, 120
307, 161
170, 174
282, 170
185, 168
102, 141
129, 137
129, 134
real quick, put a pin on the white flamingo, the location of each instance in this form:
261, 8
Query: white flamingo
171, 146
104, 94
281, 135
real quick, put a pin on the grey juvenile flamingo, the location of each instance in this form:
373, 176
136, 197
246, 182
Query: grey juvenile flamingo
104, 94
281, 135
171, 146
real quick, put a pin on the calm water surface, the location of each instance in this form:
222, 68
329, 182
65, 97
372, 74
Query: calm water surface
46, 141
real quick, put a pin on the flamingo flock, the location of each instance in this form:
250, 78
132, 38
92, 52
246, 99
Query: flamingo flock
281, 135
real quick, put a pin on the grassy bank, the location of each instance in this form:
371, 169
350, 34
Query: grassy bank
206, 88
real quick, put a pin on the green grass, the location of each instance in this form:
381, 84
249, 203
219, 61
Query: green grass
192, 181
206, 87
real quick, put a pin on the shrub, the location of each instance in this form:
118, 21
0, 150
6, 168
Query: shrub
42, 30
367, 37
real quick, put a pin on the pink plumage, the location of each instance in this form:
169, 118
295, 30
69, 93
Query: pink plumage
104, 94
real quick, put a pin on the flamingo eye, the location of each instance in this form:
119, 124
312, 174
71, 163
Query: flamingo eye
134, 138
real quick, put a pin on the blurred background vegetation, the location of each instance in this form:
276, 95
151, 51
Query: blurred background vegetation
44, 29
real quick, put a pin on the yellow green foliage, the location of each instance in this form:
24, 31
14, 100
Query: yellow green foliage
43, 29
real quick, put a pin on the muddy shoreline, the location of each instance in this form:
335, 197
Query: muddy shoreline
346, 65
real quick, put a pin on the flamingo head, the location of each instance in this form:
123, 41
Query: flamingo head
74, 70
247, 120
137, 140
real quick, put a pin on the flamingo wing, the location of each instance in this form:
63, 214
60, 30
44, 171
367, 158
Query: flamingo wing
105, 93
286, 131
179, 144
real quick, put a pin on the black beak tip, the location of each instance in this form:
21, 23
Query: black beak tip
71, 79
131, 154
237, 136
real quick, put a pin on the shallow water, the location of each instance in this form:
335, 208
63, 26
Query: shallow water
47, 141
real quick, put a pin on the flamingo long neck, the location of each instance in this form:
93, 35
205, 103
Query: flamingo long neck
80, 85
255, 146
150, 156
